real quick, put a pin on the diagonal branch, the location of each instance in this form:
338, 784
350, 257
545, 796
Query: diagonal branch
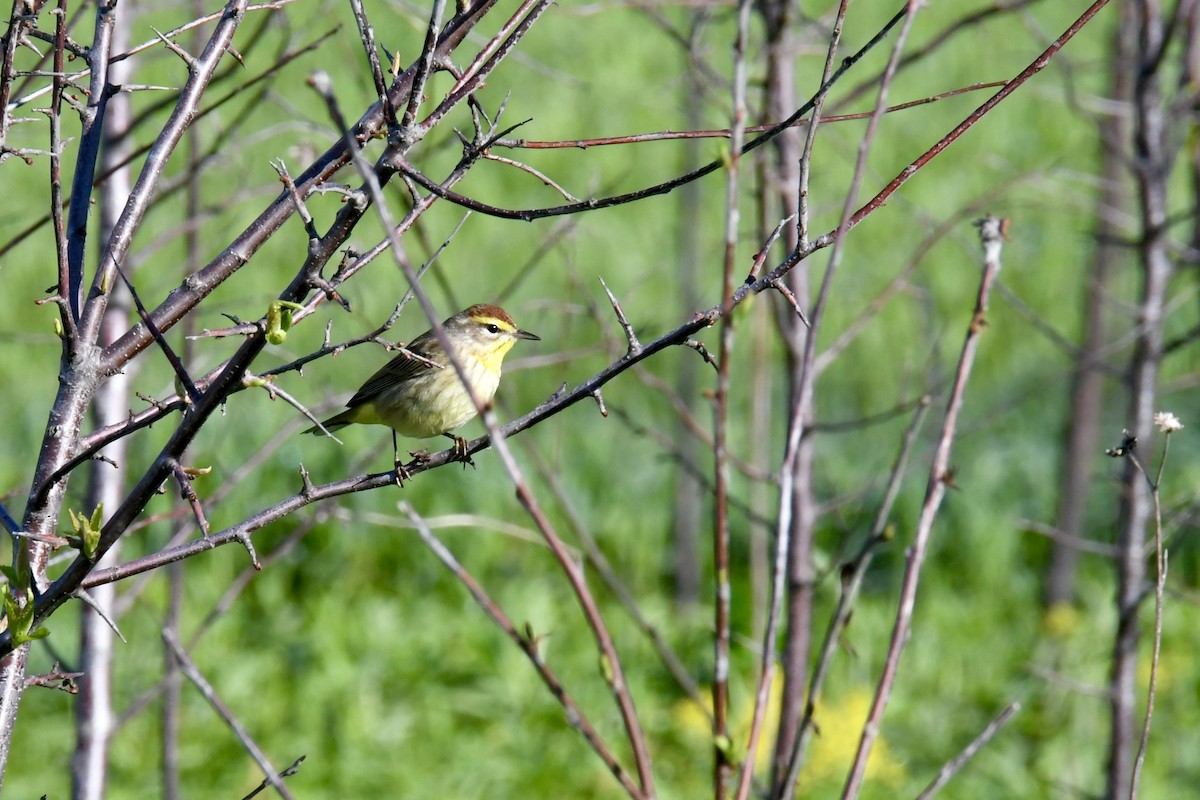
940, 475
528, 642
239, 730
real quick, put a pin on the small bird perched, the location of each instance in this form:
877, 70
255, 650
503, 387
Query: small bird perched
421, 401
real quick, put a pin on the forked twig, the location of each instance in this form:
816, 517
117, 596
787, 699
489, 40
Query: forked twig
529, 644
210, 694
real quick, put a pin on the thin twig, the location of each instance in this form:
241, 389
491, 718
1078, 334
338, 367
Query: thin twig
184, 477
541, 176
181, 373
726, 133
63, 681
425, 66
273, 390
206, 690
529, 644
366, 33
635, 346
852, 577
287, 773
1160, 583
939, 475
101, 612
724, 762
955, 764
1077, 542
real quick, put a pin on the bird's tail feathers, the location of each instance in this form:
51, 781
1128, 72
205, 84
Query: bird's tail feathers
333, 423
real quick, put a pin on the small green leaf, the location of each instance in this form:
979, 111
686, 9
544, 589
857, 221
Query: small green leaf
276, 333
20, 618
91, 542
10, 603
606, 669
87, 529
725, 746
98, 516
279, 320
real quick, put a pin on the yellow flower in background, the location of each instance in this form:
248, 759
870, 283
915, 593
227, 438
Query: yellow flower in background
830, 752
1061, 620
691, 717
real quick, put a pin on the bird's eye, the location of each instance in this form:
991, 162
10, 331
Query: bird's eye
492, 328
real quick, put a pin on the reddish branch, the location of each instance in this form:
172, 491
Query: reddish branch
723, 133
723, 762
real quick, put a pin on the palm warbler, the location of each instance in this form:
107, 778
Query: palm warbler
420, 401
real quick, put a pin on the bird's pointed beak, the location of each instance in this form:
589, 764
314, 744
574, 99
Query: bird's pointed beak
520, 334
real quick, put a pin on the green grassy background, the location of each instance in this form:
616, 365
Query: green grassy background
358, 649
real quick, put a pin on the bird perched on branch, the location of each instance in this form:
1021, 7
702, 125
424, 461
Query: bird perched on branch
419, 394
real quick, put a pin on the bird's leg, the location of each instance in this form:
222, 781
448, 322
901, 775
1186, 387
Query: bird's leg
460, 450
402, 474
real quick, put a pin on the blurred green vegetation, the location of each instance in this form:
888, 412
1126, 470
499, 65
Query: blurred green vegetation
360, 651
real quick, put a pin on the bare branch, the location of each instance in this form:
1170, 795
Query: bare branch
287, 773
184, 476
529, 644
939, 473
955, 765
206, 690
635, 346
